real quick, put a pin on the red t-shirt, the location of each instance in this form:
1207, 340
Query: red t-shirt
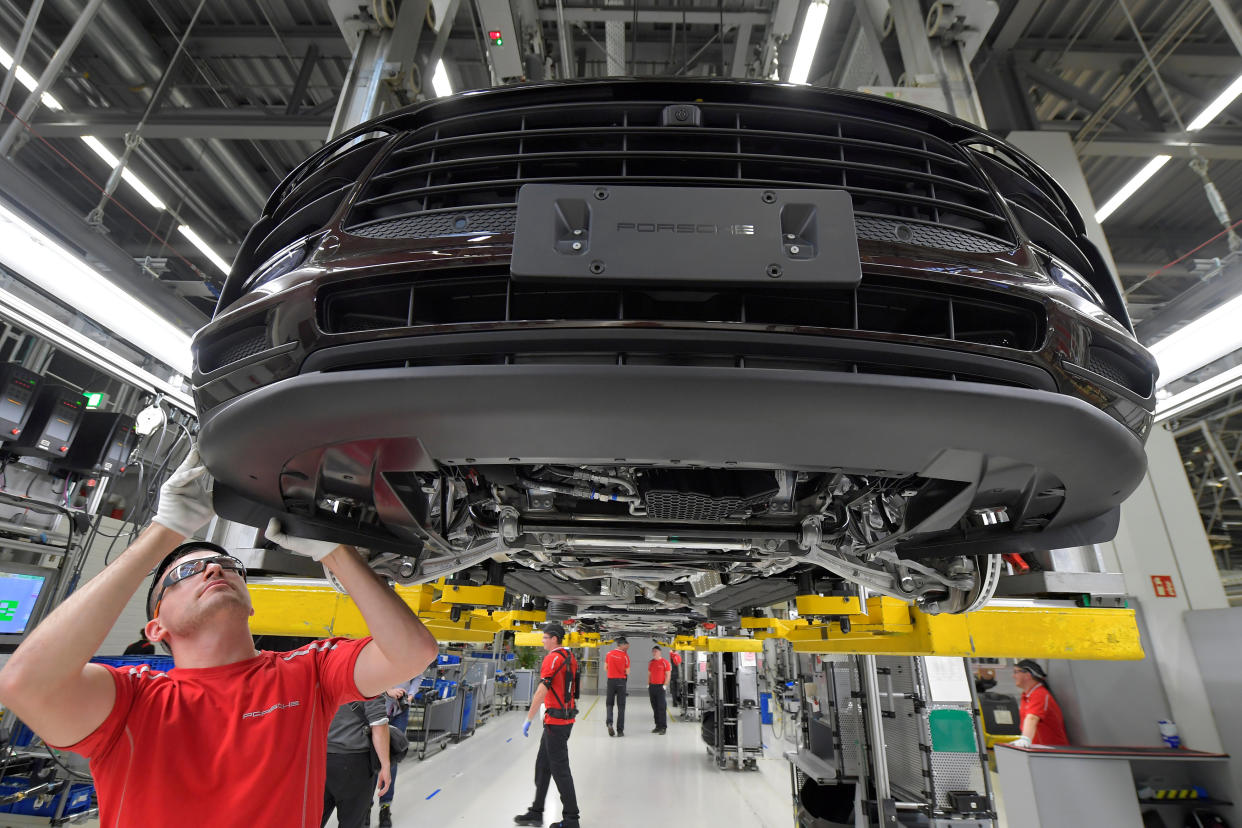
1051, 727
617, 663
553, 674
658, 670
675, 658
240, 745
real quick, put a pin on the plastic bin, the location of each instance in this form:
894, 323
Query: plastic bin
79, 800
158, 663
448, 659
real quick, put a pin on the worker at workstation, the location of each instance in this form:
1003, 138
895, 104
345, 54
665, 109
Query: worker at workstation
558, 676
1042, 722
358, 762
658, 671
617, 665
243, 730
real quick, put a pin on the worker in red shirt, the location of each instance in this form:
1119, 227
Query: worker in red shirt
1042, 723
557, 691
677, 682
617, 664
658, 670
243, 730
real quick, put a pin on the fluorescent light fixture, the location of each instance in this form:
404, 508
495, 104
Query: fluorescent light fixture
440, 81
204, 248
127, 174
55, 269
1201, 342
808, 41
1131, 187
1217, 106
28, 80
1200, 121
1199, 395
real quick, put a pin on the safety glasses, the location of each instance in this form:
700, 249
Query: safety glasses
191, 568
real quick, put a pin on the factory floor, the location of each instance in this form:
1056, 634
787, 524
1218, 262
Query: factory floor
641, 779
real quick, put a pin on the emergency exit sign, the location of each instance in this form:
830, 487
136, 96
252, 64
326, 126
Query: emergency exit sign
1163, 586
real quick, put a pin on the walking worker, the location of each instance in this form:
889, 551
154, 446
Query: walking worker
1042, 722
617, 664
658, 670
241, 729
397, 700
358, 762
556, 691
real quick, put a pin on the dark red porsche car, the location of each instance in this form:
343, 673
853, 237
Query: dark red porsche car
675, 341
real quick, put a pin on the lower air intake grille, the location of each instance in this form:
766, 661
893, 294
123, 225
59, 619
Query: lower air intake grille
1121, 370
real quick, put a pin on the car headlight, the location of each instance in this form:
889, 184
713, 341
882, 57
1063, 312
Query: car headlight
1072, 282
280, 264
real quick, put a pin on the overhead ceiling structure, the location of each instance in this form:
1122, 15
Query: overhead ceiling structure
208, 104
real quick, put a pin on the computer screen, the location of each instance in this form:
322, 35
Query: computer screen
19, 594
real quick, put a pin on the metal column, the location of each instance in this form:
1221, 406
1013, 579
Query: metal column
885, 807
1223, 459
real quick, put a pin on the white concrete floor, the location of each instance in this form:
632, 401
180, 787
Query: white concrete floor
641, 779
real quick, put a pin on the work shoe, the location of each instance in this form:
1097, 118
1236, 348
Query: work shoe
620, 732
611, 732
385, 819
655, 730
529, 818
565, 823
661, 730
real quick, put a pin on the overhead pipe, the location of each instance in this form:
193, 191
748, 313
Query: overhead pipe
19, 53
121, 40
133, 139
50, 73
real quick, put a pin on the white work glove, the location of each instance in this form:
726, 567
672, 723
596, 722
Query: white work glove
1021, 742
185, 497
314, 549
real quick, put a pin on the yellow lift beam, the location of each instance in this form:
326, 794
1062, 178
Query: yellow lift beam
319, 611
892, 627
479, 596
534, 638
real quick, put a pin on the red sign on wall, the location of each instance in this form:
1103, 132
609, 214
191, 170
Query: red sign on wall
1163, 586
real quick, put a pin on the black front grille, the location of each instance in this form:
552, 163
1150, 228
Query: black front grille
480, 159
879, 304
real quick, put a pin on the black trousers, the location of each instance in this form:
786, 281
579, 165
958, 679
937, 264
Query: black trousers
616, 694
659, 705
347, 789
553, 763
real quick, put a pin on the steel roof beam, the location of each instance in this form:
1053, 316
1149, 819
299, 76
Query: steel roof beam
231, 124
217, 41
625, 14
1214, 142
1075, 94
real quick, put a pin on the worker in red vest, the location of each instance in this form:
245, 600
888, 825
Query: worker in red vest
658, 670
617, 663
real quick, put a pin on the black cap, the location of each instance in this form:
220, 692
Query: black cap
1032, 667
554, 629
183, 549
